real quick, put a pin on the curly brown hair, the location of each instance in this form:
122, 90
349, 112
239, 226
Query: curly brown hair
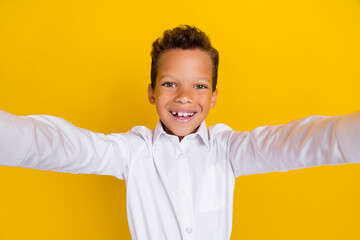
183, 37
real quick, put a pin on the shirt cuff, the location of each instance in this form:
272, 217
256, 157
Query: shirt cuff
15, 139
348, 134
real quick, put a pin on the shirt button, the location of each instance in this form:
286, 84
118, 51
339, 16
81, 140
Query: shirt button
189, 230
181, 156
186, 191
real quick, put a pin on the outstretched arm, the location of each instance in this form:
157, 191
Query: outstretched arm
51, 143
312, 141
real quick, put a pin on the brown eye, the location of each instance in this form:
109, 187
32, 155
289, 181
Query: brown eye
169, 84
201, 86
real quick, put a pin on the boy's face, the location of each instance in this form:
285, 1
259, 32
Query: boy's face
183, 94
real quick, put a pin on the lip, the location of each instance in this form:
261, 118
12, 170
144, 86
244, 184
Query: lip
183, 119
183, 110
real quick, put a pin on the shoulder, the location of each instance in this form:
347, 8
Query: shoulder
219, 132
223, 134
219, 128
137, 138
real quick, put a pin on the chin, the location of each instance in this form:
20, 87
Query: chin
185, 133
182, 133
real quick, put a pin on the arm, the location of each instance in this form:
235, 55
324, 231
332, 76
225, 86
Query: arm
307, 142
51, 143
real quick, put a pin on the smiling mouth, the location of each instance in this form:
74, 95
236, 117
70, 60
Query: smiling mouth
183, 114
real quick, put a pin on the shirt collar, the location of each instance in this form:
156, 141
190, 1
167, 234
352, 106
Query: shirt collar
202, 132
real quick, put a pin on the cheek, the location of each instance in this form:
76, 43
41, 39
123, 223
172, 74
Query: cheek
161, 101
206, 101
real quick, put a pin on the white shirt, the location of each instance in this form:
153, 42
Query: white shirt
178, 190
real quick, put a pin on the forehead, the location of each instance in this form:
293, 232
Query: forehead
185, 62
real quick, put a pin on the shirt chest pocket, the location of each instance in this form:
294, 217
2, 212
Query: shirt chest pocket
213, 191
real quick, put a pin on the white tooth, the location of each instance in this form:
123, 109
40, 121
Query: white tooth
185, 114
173, 113
191, 114
180, 114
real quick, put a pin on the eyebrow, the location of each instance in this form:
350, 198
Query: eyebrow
165, 76
171, 76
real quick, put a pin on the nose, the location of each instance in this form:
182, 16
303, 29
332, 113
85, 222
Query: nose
184, 95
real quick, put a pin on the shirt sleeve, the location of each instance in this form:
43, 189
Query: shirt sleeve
307, 142
51, 143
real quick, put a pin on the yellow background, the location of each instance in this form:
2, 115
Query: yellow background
89, 62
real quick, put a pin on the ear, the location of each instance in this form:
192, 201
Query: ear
213, 98
151, 95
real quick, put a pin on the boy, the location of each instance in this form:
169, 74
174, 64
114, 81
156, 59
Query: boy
180, 176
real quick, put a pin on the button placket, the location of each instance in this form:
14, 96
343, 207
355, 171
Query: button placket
181, 156
186, 191
186, 199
